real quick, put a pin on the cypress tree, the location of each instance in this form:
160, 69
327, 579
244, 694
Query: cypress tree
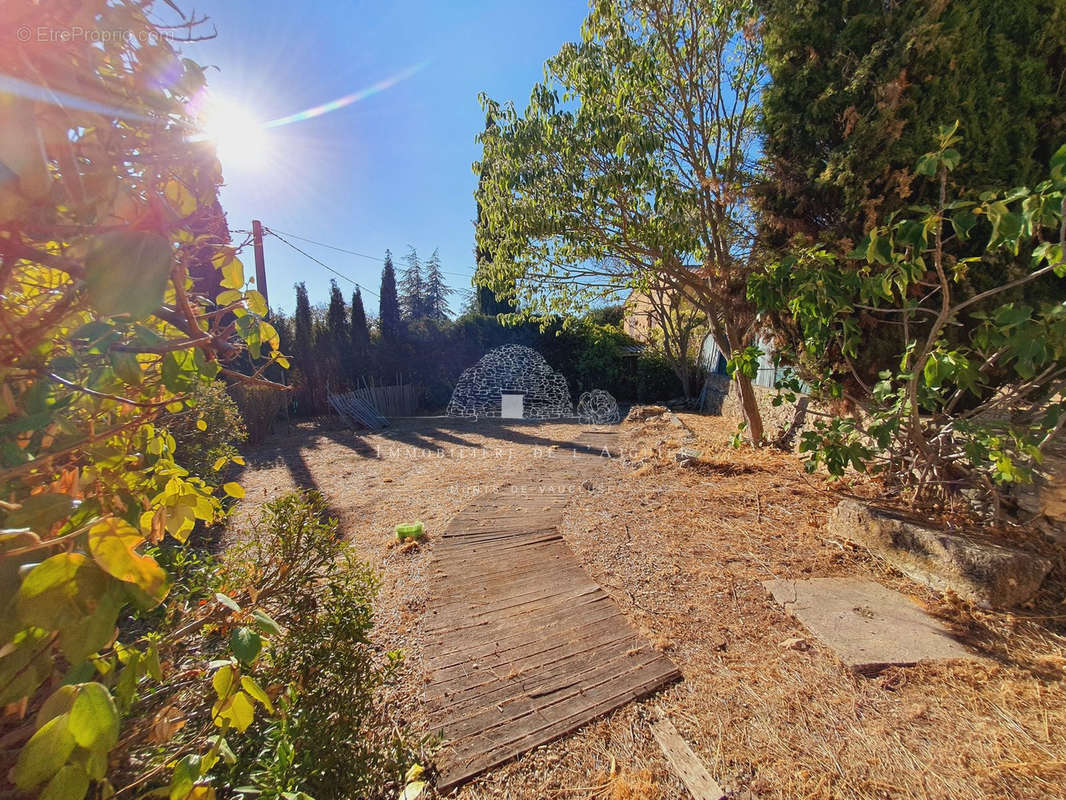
337, 327
360, 330
412, 287
437, 290
860, 87
303, 330
389, 308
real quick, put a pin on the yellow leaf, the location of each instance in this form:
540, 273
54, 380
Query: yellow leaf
233, 489
413, 790
201, 425
238, 460
229, 296
257, 304
219, 463
181, 199
249, 685
112, 543
238, 711
233, 274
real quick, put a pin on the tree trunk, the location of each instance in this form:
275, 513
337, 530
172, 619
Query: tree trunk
750, 407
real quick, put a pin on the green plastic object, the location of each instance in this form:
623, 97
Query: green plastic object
410, 530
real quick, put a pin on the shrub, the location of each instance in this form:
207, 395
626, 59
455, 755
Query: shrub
259, 408
975, 394
333, 737
210, 429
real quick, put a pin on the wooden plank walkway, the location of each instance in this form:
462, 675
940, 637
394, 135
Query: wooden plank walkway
522, 646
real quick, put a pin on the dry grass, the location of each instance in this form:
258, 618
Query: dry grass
682, 550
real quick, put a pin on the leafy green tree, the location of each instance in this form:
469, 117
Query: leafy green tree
437, 290
635, 160
973, 411
858, 91
103, 333
389, 320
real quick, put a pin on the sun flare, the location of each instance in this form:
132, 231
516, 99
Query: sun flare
241, 140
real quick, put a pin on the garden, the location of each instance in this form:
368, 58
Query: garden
539, 545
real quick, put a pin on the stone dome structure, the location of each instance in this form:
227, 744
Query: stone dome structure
511, 370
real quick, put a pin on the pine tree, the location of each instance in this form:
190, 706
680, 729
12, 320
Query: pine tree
389, 308
412, 287
437, 290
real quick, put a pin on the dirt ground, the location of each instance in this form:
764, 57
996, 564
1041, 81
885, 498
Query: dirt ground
682, 549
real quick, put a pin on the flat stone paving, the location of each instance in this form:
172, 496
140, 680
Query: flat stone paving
868, 626
522, 647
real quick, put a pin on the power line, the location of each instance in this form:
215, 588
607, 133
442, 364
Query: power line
320, 263
355, 252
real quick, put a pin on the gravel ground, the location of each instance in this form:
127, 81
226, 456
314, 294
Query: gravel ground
682, 549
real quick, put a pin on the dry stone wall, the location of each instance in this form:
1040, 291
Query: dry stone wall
512, 368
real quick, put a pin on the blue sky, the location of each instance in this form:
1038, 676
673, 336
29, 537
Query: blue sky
393, 169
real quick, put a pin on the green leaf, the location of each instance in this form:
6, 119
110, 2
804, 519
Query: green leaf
266, 623
24, 666
113, 544
256, 691
1058, 167
72, 595
927, 165
227, 601
44, 754
245, 644
94, 718
40, 512
186, 773
70, 783
127, 367
126, 272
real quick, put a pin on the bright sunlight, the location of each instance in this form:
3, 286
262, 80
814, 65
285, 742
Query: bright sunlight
240, 139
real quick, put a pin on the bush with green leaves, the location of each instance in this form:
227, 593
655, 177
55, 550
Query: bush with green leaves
977, 393
334, 738
113, 247
207, 433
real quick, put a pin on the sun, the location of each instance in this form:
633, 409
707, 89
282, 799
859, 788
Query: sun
241, 141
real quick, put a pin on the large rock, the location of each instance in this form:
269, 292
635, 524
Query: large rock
975, 568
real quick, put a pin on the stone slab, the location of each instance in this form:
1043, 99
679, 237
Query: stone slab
975, 567
870, 627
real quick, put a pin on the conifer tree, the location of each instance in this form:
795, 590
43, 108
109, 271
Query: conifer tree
389, 308
360, 332
437, 290
412, 287
337, 321
303, 330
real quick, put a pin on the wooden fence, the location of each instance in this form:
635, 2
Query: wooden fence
398, 400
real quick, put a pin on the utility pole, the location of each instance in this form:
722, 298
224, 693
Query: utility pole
260, 265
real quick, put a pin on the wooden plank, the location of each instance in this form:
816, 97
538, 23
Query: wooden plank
522, 647
685, 763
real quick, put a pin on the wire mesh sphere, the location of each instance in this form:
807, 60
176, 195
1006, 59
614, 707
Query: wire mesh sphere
598, 408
